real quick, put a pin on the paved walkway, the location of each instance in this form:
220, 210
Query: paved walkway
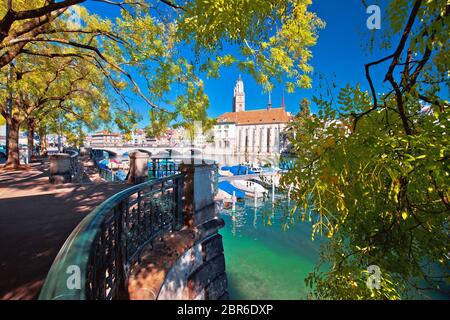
35, 220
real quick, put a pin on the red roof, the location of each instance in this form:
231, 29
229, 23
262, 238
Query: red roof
273, 115
105, 133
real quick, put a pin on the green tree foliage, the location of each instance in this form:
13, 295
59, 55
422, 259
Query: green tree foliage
160, 123
273, 39
305, 109
38, 86
373, 172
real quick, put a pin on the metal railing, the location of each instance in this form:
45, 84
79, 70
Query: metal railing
107, 174
96, 153
110, 239
162, 167
75, 166
157, 167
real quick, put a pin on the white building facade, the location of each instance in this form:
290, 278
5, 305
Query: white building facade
138, 137
105, 138
250, 132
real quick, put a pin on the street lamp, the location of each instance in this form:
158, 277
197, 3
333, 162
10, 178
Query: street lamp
9, 105
59, 133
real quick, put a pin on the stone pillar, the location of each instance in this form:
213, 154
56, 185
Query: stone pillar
256, 145
84, 151
250, 140
272, 139
60, 169
277, 139
138, 167
261, 141
241, 140
243, 131
198, 192
255, 140
216, 144
264, 141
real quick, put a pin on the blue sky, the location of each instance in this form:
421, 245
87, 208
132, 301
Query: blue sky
339, 57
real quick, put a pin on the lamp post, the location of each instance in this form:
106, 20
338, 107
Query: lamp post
9, 106
59, 133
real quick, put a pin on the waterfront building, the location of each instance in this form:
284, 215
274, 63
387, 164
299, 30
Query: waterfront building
105, 137
253, 131
138, 137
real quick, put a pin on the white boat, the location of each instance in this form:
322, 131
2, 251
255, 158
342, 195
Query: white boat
225, 173
249, 187
256, 169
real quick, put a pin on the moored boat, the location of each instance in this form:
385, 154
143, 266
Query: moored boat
249, 187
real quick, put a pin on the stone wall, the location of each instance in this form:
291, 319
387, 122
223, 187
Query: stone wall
209, 281
198, 274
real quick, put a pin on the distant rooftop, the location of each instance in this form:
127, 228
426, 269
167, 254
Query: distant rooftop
105, 133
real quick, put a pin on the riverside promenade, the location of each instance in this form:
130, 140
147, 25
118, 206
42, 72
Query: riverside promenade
36, 218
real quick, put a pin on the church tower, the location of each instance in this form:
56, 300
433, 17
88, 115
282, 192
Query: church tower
239, 96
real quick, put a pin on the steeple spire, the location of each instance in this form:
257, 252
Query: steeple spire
269, 106
282, 101
239, 96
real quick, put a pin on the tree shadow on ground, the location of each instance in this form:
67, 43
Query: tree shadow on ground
33, 228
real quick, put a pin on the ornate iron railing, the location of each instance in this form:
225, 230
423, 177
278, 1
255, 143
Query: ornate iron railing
107, 174
162, 167
75, 166
103, 247
157, 167
97, 154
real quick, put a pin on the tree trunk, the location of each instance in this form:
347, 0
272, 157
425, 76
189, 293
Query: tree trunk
13, 161
30, 137
43, 140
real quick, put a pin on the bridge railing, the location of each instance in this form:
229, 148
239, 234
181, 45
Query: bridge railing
94, 261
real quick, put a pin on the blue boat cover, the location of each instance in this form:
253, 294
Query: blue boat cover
121, 175
102, 166
229, 188
238, 170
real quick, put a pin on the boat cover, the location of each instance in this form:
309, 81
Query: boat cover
229, 188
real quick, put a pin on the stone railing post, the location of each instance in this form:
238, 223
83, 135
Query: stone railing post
138, 167
60, 168
198, 192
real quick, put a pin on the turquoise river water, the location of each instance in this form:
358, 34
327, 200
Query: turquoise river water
266, 261
263, 261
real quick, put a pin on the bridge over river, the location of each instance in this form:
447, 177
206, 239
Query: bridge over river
159, 152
